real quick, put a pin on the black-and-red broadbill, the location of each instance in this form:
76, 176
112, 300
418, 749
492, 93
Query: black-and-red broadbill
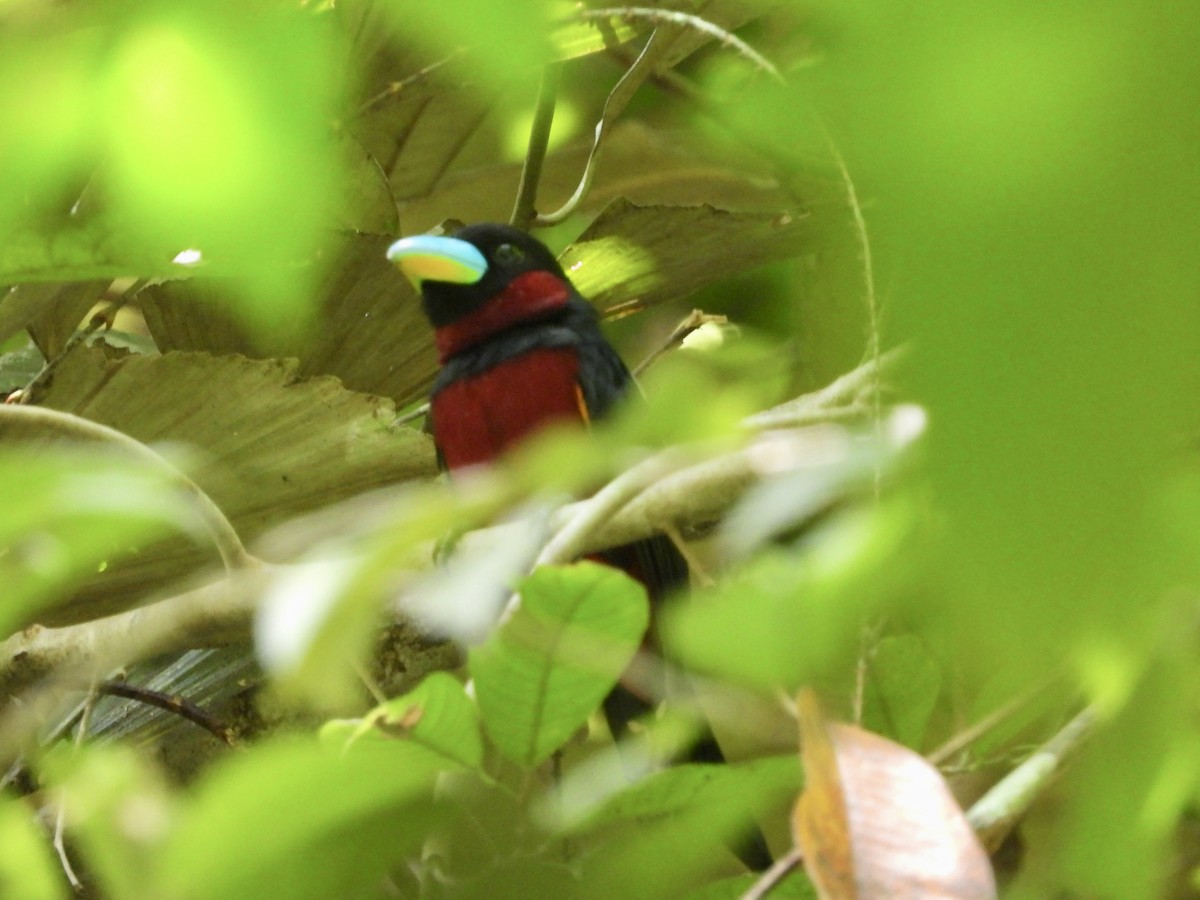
520, 348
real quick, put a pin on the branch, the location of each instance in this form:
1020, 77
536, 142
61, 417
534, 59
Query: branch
693, 321
845, 391
219, 528
216, 614
771, 878
525, 209
994, 814
572, 538
172, 703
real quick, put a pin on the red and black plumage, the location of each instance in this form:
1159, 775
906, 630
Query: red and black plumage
520, 349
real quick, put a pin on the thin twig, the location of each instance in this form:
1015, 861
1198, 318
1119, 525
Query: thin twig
413, 414
996, 812
874, 339
60, 846
972, 733
397, 86
220, 529
771, 878
694, 320
172, 703
860, 677
525, 208
617, 100
687, 20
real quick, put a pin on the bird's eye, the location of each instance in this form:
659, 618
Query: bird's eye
508, 254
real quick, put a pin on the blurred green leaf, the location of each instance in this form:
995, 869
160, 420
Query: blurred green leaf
70, 514
902, 686
697, 394
437, 714
749, 788
674, 833
504, 41
28, 870
546, 669
292, 818
793, 617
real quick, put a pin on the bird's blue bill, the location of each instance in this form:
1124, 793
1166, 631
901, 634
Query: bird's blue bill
427, 257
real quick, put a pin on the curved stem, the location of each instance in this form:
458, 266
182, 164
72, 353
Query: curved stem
220, 529
617, 100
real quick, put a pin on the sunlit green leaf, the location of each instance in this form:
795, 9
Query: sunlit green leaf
437, 714
546, 669
791, 617
574, 39
297, 819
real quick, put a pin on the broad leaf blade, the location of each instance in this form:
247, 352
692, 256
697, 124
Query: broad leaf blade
547, 668
437, 715
297, 819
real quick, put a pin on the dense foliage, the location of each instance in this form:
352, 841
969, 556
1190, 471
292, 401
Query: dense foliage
936, 468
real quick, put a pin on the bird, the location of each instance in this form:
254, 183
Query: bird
520, 349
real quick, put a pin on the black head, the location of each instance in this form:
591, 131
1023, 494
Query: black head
455, 281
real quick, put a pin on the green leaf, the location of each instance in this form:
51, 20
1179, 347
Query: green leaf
902, 687
504, 39
28, 870
437, 715
293, 818
20, 366
546, 669
746, 788
665, 834
793, 617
